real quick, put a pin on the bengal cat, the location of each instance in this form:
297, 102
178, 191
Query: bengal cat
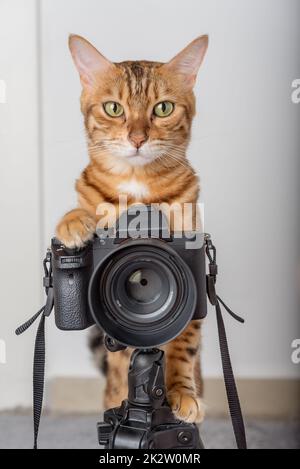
138, 117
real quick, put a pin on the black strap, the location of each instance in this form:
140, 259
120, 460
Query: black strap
39, 348
230, 385
215, 300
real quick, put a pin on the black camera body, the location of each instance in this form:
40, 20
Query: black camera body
142, 287
141, 290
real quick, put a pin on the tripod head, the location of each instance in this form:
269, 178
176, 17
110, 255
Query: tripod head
146, 378
145, 420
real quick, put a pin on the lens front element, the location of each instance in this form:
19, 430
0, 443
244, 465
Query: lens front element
144, 286
143, 294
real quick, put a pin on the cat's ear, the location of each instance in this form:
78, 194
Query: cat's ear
188, 61
89, 62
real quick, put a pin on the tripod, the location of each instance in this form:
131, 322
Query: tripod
145, 420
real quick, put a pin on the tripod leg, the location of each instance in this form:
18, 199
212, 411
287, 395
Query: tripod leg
117, 378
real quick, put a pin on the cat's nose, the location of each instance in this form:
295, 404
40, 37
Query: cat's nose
137, 140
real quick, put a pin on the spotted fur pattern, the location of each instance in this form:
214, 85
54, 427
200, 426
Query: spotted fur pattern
156, 171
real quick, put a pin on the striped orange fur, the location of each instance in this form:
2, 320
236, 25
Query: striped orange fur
143, 156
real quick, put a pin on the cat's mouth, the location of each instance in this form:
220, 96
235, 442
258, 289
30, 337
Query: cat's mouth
137, 156
140, 159
140, 156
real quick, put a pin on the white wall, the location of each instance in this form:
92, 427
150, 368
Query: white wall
19, 196
245, 148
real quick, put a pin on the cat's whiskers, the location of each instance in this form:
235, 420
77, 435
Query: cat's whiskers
176, 154
160, 151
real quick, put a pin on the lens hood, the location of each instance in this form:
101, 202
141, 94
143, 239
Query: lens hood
142, 294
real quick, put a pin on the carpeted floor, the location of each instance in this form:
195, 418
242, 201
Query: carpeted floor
80, 432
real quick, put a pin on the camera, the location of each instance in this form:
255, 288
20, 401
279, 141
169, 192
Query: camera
142, 286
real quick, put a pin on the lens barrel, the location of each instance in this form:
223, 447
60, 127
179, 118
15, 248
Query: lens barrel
142, 294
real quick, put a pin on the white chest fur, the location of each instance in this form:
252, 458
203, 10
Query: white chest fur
134, 188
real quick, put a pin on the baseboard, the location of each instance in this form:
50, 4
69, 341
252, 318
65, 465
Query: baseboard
260, 398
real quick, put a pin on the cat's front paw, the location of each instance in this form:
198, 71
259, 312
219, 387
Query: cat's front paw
76, 228
186, 406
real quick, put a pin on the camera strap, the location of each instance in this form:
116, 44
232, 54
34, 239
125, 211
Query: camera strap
40, 346
215, 300
230, 384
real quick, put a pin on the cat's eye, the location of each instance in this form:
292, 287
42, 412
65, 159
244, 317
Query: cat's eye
113, 109
163, 109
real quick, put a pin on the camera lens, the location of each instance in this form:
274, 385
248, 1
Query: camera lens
144, 285
142, 294
140, 287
